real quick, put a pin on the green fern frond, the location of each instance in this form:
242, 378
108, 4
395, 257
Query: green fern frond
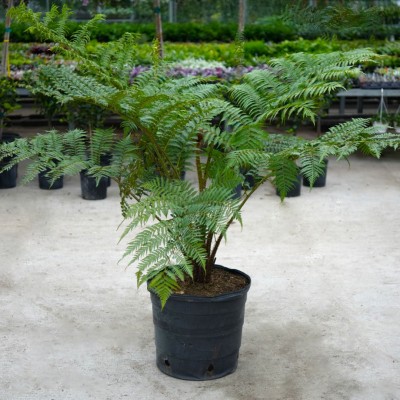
297, 85
101, 143
45, 29
311, 165
82, 36
163, 286
284, 173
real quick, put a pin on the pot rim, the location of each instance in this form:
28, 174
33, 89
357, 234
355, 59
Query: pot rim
216, 298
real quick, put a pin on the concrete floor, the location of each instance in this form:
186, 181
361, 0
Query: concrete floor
322, 315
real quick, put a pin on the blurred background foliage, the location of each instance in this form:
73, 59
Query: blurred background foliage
206, 29
206, 11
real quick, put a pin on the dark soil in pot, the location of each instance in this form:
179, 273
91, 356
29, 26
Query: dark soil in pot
198, 337
223, 281
92, 191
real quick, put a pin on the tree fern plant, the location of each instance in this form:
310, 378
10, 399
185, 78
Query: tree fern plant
169, 127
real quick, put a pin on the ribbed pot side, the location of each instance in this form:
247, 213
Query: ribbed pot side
198, 338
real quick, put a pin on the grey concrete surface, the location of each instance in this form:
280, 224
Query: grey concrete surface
322, 316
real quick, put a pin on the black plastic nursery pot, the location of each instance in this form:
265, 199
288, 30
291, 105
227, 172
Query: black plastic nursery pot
237, 192
296, 189
105, 160
321, 180
8, 179
198, 338
90, 189
47, 184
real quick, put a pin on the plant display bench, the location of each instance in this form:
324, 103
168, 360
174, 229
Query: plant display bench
361, 94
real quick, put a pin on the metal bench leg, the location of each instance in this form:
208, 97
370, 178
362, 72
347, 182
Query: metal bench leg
341, 105
360, 105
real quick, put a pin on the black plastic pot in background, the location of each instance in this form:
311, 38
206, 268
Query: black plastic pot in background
10, 137
237, 192
105, 160
46, 183
8, 179
321, 180
90, 190
198, 338
248, 184
249, 181
296, 189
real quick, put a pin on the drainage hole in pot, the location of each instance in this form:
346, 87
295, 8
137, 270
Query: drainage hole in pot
210, 368
166, 362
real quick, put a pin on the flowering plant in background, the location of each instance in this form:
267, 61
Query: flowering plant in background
384, 77
201, 68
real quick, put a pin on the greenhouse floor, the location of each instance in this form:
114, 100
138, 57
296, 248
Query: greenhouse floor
322, 315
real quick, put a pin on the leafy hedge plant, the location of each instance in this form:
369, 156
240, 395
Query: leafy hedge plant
178, 32
273, 31
226, 52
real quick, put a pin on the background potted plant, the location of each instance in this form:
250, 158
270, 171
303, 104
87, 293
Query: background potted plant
78, 115
395, 121
55, 154
381, 122
8, 103
198, 306
89, 117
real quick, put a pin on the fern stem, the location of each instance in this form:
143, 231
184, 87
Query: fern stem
208, 162
200, 176
163, 158
212, 257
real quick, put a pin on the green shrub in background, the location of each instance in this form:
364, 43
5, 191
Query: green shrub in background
270, 29
255, 52
274, 30
344, 20
178, 32
260, 52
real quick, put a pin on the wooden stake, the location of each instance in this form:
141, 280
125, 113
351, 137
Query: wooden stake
5, 64
159, 31
242, 16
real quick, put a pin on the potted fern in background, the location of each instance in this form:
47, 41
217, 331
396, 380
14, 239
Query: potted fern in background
8, 103
198, 306
79, 115
90, 119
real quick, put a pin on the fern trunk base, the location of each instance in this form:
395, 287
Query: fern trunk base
201, 275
